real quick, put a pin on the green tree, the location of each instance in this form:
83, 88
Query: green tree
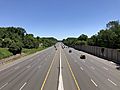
6, 42
106, 38
15, 48
78, 42
83, 37
28, 41
93, 41
70, 41
1, 42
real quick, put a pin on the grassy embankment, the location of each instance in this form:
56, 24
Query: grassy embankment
4, 53
30, 51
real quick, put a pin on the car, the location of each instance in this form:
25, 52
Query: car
63, 47
70, 51
54, 46
82, 56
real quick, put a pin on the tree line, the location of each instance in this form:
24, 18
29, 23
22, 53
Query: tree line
108, 37
16, 38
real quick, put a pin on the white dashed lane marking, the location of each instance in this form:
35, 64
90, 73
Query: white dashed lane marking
23, 86
81, 68
105, 68
112, 82
94, 82
3, 86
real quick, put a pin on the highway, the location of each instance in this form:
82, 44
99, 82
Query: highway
52, 69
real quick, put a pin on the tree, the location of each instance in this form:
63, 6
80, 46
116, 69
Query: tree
78, 42
16, 38
48, 41
1, 42
15, 48
83, 37
93, 41
6, 42
109, 37
113, 25
106, 38
28, 41
70, 41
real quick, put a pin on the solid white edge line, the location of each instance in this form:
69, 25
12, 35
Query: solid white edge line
94, 83
23, 86
3, 85
60, 85
112, 82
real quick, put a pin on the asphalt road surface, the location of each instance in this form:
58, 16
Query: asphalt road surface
53, 69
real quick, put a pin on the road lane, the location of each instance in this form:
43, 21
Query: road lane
51, 80
84, 81
95, 70
5, 77
52, 83
18, 77
69, 80
77, 74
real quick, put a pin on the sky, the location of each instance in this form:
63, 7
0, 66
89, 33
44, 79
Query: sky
59, 18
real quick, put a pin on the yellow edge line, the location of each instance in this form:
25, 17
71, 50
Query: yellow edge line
48, 73
78, 88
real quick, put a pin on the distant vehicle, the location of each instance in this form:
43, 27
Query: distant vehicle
54, 46
70, 51
63, 47
82, 57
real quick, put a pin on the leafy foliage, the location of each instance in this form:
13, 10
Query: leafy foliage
16, 38
81, 40
109, 37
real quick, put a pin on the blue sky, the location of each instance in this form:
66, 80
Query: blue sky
59, 18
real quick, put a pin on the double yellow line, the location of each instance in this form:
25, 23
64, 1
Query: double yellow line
48, 72
76, 83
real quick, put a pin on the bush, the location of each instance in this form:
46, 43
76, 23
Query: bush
15, 48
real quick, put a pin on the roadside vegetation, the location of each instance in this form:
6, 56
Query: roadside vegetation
15, 40
33, 50
4, 53
108, 37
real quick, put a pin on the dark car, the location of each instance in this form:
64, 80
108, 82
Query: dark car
82, 57
70, 51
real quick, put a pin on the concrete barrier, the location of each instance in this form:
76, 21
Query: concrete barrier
106, 53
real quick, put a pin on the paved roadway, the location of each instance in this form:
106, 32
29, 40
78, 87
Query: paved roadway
42, 72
